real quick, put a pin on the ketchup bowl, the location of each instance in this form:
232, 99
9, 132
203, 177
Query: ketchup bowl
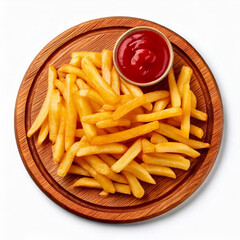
143, 56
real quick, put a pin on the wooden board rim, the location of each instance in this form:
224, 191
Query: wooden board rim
111, 217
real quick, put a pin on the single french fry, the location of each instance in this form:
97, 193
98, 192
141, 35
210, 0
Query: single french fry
43, 131
67, 68
79, 133
125, 135
129, 155
163, 114
95, 57
186, 106
84, 109
54, 115
104, 181
170, 156
115, 81
95, 80
199, 114
136, 188
175, 163
87, 182
92, 94
184, 77
139, 101
159, 170
76, 61
60, 86
71, 112
175, 147
136, 92
96, 117
68, 158
75, 169
113, 123
59, 146
108, 148
81, 84
170, 132
107, 65
193, 100
147, 146
97, 164
160, 104
174, 93
52, 76
157, 138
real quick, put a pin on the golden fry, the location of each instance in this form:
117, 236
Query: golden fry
160, 104
175, 147
67, 68
113, 123
76, 61
52, 76
43, 132
175, 163
129, 155
166, 113
136, 188
174, 93
157, 138
115, 81
59, 146
159, 170
71, 112
81, 84
107, 65
54, 115
186, 106
184, 77
96, 117
108, 148
125, 135
75, 169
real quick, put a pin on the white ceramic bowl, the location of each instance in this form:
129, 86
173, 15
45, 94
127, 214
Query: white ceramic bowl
126, 34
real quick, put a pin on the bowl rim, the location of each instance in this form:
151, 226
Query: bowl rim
126, 34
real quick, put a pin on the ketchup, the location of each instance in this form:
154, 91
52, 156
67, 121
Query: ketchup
143, 56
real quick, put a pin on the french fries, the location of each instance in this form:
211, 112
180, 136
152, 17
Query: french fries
106, 65
95, 80
115, 141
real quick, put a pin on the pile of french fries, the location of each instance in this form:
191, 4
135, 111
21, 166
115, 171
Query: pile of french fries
112, 134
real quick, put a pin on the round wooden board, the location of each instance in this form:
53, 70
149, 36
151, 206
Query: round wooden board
96, 35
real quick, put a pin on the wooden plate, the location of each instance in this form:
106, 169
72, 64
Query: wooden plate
160, 198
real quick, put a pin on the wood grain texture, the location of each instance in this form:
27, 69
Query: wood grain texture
160, 198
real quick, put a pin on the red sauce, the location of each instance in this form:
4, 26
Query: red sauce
143, 56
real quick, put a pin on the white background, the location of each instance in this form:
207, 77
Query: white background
212, 27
